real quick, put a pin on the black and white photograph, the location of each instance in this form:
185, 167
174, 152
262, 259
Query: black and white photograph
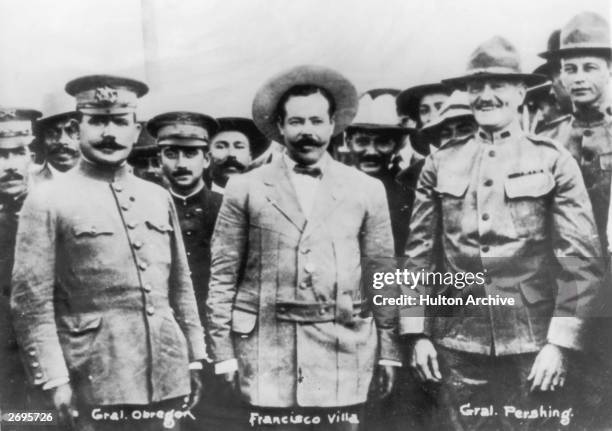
305, 215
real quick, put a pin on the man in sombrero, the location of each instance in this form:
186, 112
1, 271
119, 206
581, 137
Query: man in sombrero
512, 207
287, 308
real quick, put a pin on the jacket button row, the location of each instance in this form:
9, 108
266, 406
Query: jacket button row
137, 244
146, 287
150, 310
117, 187
143, 266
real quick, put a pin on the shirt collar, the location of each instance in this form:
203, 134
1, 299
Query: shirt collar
512, 131
321, 163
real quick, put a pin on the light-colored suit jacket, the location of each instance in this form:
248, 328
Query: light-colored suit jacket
290, 297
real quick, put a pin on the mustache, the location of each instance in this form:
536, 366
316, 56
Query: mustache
307, 140
108, 142
371, 158
61, 148
180, 172
11, 176
479, 104
232, 162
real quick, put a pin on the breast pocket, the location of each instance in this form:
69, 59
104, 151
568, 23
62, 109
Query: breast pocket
528, 197
93, 243
159, 234
451, 193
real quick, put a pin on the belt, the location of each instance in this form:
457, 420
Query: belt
317, 312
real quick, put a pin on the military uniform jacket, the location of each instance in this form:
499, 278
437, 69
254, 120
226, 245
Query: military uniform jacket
589, 140
12, 376
515, 207
197, 215
101, 288
286, 295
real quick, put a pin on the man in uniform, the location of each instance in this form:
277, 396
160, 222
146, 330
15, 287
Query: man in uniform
58, 137
286, 308
15, 159
512, 210
102, 301
235, 145
585, 54
145, 158
183, 139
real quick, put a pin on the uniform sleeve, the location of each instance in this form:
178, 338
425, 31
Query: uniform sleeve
378, 256
229, 247
576, 246
32, 291
422, 246
182, 297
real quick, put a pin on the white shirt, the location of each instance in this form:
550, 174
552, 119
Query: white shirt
305, 186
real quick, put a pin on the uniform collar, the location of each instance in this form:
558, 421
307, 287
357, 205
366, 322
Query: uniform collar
190, 195
592, 117
512, 131
104, 173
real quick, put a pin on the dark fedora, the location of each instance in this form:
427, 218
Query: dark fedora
586, 33
407, 102
495, 58
265, 104
259, 143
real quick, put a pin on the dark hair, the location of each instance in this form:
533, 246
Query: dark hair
303, 90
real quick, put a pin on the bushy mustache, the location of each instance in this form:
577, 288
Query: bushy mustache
11, 176
61, 148
479, 104
108, 142
232, 162
307, 140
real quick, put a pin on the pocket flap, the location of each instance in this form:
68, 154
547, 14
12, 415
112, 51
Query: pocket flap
529, 186
452, 185
534, 293
243, 322
81, 323
92, 228
160, 227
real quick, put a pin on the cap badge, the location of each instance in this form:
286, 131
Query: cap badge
106, 95
6, 114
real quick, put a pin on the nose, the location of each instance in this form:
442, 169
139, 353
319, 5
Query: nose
487, 92
370, 150
181, 160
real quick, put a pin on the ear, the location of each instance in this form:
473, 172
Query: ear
280, 128
206, 159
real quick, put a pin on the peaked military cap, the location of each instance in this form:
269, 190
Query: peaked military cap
495, 58
265, 103
258, 142
407, 102
16, 127
106, 94
586, 33
192, 128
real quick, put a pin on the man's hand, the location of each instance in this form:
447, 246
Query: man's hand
384, 380
549, 368
424, 361
64, 403
196, 388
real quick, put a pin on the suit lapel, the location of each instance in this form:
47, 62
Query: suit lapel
281, 194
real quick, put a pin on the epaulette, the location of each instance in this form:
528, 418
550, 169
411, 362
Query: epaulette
454, 142
553, 123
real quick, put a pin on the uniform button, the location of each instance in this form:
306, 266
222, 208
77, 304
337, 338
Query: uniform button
305, 251
488, 183
138, 244
124, 207
485, 216
35, 364
146, 287
309, 267
150, 310
188, 253
492, 153
189, 233
282, 309
188, 215
304, 285
587, 133
32, 353
117, 187
485, 248
38, 375
143, 266
132, 224
132, 198
323, 310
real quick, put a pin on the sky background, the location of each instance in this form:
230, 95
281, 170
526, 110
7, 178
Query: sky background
212, 55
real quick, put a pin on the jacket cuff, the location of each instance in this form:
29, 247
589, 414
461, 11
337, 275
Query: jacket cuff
566, 332
44, 364
389, 346
227, 366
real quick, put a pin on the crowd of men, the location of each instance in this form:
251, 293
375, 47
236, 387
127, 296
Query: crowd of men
216, 273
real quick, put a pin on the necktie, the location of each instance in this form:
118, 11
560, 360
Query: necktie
307, 170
